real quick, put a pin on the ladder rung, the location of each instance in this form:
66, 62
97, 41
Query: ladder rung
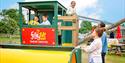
67, 28
67, 18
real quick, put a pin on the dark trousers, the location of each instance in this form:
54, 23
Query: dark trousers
59, 40
103, 57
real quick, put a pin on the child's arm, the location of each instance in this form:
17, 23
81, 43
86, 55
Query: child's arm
90, 48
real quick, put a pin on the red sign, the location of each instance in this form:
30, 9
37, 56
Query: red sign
43, 36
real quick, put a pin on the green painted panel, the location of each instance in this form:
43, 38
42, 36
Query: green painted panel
78, 55
67, 33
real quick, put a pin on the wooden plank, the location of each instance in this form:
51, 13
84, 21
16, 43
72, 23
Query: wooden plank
75, 33
66, 28
67, 18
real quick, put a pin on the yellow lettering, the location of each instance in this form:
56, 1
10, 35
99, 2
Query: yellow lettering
42, 35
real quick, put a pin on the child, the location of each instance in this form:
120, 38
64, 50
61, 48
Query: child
45, 20
95, 47
72, 10
35, 21
104, 42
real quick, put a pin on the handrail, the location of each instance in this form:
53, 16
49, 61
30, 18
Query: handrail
92, 19
107, 30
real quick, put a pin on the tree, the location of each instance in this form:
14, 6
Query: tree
86, 26
12, 13
10, 21
8, 25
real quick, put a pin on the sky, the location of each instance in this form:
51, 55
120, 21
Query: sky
105, 10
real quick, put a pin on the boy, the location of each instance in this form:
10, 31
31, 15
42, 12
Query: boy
45, 20
35, 21
104, 42
71, 10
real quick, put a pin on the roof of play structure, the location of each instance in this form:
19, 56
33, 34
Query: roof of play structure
41, 5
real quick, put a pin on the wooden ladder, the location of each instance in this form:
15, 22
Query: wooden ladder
74, 27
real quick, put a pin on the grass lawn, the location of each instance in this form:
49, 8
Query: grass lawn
109, 58
115, 59
7, 40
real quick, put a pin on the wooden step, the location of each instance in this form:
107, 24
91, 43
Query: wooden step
68, 18
66, 28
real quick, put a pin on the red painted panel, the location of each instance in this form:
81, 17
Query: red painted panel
43, 36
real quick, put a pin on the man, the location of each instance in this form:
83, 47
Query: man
104, 42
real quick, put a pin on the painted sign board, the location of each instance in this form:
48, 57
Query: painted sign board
41, 36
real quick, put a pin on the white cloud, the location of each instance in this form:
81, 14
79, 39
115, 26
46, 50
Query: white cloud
96, 14
82, 6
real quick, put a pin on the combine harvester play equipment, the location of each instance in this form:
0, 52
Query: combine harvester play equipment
46, 47
39, 43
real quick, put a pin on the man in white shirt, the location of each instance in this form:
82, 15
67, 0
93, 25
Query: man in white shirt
45, 20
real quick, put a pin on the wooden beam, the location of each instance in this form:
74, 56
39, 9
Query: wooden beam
88, 37
75, 33
67, 18
66, 28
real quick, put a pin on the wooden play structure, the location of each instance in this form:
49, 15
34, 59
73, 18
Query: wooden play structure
40, 43
69, 24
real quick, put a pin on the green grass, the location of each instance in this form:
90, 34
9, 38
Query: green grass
109, 58
115, 59
7, 40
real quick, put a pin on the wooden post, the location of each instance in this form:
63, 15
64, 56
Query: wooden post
75, 32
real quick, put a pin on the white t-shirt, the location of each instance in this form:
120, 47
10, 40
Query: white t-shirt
45, 23
71, 11
94, 51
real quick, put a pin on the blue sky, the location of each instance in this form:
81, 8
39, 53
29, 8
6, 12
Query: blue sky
114, 10
107, 10
5, 4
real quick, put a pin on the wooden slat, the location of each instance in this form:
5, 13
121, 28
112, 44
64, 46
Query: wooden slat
67, 28
75, 33
67, 18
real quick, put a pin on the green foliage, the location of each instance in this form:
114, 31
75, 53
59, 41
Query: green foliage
86, 26
8, 25
12, 13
